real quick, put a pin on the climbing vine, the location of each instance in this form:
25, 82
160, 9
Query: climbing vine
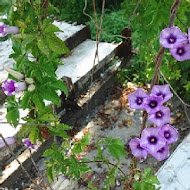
32, 85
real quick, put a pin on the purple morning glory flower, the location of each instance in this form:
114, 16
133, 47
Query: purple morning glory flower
163, 91
172, 37
151, 140
28, 143
181, 53
136, 149
160, 116
4, 29
9, 140
152, 102
162, 154
11, 87
189, 34
136, 99
169, 133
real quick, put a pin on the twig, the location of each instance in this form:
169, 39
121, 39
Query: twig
184, 104
103, 162
98, 33
160, 55
108, 35
134, 11
40, 175
12, 153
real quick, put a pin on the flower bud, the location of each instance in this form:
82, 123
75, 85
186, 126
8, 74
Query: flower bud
15, 74
9, 141
4, 29
31, 87
29, 144
29, 80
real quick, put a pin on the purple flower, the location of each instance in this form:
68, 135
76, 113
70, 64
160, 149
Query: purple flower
163, 91
28, 143
9, 140
169, 133
136, 99
11, 87
181, 53
4, 29
172, 37
162, 154
189, 34
152, 102
160, 116
136, 149
151, 140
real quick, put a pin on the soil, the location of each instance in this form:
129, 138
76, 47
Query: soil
115, 118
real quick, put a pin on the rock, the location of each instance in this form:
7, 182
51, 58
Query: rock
2, 97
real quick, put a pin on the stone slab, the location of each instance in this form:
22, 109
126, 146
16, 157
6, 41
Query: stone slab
175, 173
79, 65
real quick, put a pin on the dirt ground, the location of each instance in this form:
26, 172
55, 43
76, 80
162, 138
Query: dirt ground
114, 118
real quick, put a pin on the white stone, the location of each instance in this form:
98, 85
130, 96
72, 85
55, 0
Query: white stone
81, 61
174, 174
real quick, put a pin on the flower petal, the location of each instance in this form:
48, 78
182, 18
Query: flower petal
152, 102
136, 149
9, 140
172, 37
163, 91
160, 116
151, 140
161, 154
181, 53
169, 133
136, 99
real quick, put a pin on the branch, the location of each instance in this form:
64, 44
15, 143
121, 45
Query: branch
160, 55
103, 162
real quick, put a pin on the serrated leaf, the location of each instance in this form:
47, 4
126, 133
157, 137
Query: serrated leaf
26, 99
48, 94
48, 153
42, 45
51, 28
47, 117
60, 85
13, 116
34, 134
29, 39
38, 101
56, 44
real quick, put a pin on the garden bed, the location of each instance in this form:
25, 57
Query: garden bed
114, 118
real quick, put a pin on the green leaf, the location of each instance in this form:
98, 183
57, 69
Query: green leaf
78, 148
13, 116
56, 44
38, 101
29, 39
51, 28
60, 85
48, 94
85, 140
42, 45
50, 174
48, 153
47, 117
34, 134
26, 99
115, 148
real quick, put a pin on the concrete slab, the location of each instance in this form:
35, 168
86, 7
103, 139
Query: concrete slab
68, 29
174, 174
80, 63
